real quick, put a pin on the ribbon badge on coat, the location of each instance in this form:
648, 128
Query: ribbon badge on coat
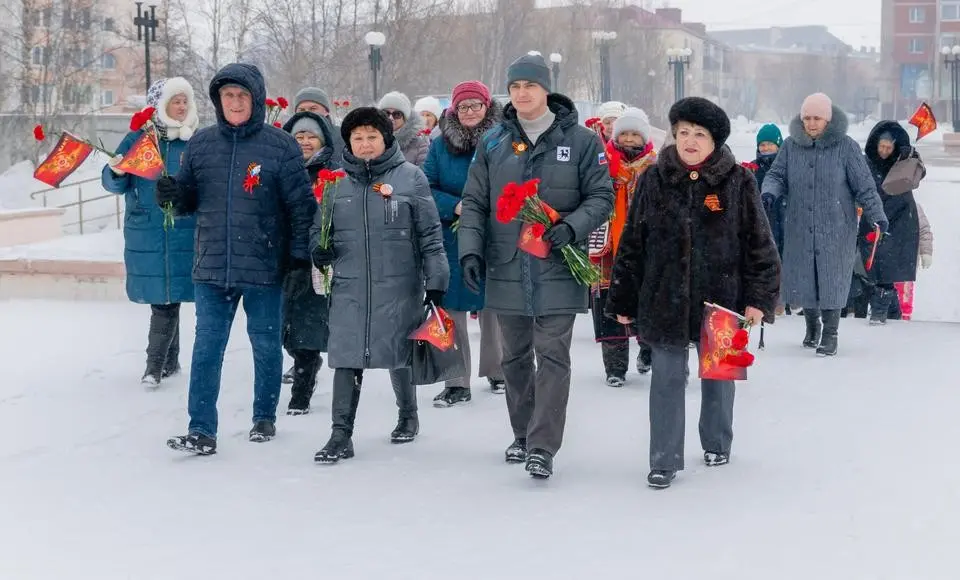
252, 179
712, 202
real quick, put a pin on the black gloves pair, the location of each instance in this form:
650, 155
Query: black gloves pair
169, 191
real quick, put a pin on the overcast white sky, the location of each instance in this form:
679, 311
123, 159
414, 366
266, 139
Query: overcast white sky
857, 22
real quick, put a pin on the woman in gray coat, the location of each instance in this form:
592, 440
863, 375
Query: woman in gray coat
386, 250
823, 176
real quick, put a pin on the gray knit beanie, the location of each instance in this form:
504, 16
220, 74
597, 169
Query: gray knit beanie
308, 125
530, 67
398, 102
314, 95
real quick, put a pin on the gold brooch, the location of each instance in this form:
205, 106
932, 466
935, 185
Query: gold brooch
694, 175
519, 148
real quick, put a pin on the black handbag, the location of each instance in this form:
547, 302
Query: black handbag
432, 365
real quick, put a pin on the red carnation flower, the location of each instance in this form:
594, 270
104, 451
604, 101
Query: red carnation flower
871, 237
740, 340
336, 103
277, 124
742, 359
345, 103
318, 190
38, 133
271, 103
538, 230
283, 102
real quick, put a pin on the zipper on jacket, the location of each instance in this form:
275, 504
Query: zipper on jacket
366, 249
233, 160
166, 243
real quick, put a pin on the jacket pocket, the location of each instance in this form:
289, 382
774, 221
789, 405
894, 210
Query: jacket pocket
398, 257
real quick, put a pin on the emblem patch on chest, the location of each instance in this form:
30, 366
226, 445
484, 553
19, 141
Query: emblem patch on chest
563, 153
712, 202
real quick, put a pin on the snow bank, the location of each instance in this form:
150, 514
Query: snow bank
102, 247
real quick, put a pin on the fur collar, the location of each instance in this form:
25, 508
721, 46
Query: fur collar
461, 140
714, 170
410, 131
835, 131
901, 140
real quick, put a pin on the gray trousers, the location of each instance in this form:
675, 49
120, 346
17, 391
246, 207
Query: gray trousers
668, 385
537, 395
490, 347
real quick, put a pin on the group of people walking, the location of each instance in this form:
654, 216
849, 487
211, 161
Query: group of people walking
413, 225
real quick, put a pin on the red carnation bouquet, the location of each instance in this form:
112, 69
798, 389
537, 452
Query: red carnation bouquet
724, 338
750, 165
275, 108
522, 202
326, 196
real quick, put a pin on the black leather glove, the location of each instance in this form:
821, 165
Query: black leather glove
473, 272
434, 297
168, 191
322, 257
559, 235
883, 225
905, 152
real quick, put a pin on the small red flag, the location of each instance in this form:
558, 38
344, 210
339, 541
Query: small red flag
924, 121
719, 360
66, 157
143, 159
437, 329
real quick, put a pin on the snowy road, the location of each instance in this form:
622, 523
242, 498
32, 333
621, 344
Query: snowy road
842, 469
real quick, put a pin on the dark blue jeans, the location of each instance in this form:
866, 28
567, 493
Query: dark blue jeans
216, 308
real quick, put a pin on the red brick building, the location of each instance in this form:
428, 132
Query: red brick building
912, 34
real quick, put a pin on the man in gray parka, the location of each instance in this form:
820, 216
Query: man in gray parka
536, 300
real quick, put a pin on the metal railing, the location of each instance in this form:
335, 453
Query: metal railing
80, 202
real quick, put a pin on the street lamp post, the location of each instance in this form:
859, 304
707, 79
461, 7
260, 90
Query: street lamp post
652, 74
556, 58
604, 39
951, 60
678, 59
146, 24
375, 40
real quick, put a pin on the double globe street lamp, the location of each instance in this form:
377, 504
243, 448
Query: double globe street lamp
556, 58
604, 39
951, 60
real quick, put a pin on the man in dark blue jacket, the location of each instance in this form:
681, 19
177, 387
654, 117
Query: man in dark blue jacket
247, 185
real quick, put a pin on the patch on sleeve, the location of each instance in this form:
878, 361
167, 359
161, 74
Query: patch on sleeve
602, 158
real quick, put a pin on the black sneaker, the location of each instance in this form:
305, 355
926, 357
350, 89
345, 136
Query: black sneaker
615, 381
498, 386
644, 360
660, 479
517, 452
450, 396
338, 447
716, 459
540, 464
171, 370
288, 376
263, 431
406, 430
193, 443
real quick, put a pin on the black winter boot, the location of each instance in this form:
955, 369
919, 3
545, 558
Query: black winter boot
164, 320
306, 364
644, 359
880, 305
171, 367
539, 463
814, 328
516, 452
346, 399
831, 326
406, 430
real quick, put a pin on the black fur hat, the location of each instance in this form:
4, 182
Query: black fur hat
367, 117
703, 112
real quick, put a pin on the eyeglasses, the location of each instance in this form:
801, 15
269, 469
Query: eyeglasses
475, 107
395, 114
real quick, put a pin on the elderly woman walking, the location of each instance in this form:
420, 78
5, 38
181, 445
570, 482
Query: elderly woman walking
158, 255
823, 176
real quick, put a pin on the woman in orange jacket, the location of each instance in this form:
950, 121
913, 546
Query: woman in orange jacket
630, 152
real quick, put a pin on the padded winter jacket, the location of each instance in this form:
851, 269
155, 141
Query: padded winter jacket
388, 249
249, 185
158, 260
571, 164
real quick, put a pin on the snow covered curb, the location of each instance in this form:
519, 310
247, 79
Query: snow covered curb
62, 280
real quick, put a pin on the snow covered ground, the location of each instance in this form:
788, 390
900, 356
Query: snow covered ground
842, 469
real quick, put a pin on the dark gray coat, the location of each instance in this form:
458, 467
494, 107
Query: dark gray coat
823, 181
577, 185
388, 250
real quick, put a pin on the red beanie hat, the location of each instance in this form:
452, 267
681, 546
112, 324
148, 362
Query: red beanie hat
469, 90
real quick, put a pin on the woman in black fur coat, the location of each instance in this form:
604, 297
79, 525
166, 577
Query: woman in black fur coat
696, 233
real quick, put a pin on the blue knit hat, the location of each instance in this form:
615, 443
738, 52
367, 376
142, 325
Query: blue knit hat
770, 133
